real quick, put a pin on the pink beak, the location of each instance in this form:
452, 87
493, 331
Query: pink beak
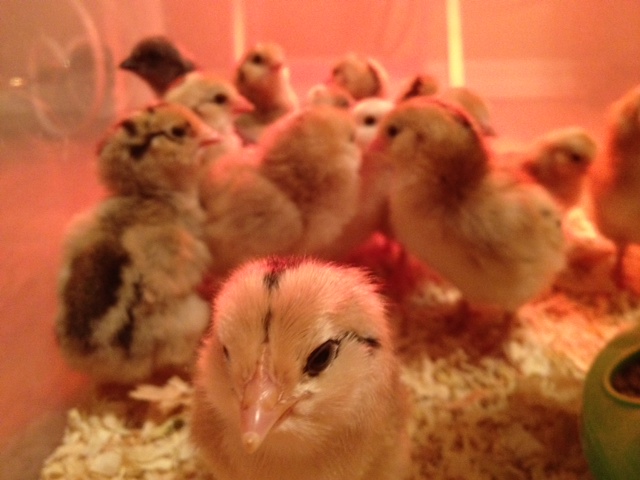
211, 138
261, 408
241, 105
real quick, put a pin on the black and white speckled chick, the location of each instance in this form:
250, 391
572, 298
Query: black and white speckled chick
158, 62
128, 301
298, 378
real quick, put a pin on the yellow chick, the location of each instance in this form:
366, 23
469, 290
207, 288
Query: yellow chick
497, 238
372, 206
559, 161
614, 178
129, 307
292, 193
262, 77
361, 76
298, 379
157, 61
217, 102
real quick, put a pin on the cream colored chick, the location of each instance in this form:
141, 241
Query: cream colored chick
614, 179
217, 102
361, 76
496, 237
127, 290
419, 85
157, 61
559, 161
298, 378
293, 193
262, 77
372, 211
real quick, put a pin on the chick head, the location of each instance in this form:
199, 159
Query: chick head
564, 154
154, 151
361, 76
157, 60
215, 100
429, 135
294, 345
368, 114
261, 72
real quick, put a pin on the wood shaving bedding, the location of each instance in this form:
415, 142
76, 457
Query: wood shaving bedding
492, 399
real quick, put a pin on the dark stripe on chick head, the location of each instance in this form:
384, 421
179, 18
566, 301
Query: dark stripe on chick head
275, 267
266, 324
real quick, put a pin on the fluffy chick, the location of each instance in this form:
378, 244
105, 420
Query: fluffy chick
334, 95
158, 62
127, 289
559, 161
614, 179
497, 238
473, 103
422, 84
262, 77
298, 379
217, 102
292, 193
372, 206
361, 76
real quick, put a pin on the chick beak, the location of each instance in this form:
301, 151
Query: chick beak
277, 66
128, 64
210, 138
261, 409
241, 105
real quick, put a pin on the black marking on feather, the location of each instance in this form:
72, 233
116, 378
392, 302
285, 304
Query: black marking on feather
370, 342
266, 324
124, 337
92, 289
275, 267
130, 127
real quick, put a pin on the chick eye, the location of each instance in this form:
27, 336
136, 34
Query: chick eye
178, 132
370, 120
321, 358
392, 131
257, 59
575, 158
220, 98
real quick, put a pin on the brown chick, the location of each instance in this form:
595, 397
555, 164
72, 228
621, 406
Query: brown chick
497, 238
217, 102
298, 379
292, 193
559, 161
614, 179
419, 85
361, 76
473, 103
157, 61
262, 77
129, 307
334, 95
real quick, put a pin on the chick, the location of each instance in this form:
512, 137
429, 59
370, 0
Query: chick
361, 76
418, 85
495, 237
293, 193
262, 77
473, 104
217, 102
372, 206
298, 379
158, 62
334, 95
129, 308
614, 179
559, 161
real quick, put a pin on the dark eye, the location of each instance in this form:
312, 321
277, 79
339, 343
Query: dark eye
257, 59
220, 98
392, 131
575, 158
321, 358
178, 132
370, 120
